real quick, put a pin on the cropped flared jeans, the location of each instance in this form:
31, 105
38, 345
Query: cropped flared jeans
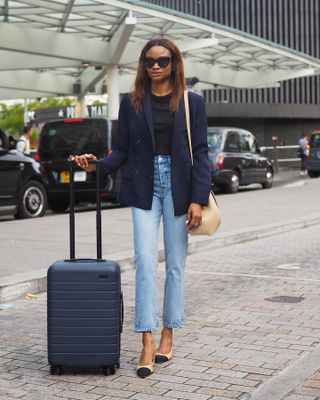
145, 229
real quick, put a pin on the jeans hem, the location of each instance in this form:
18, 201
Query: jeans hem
146, 329
175, 325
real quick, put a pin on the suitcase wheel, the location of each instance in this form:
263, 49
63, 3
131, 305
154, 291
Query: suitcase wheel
54, 369
118, 364
109, 370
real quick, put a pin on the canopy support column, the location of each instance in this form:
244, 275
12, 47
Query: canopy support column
81, 108
113, 92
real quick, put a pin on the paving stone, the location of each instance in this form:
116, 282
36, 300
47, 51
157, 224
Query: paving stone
52, 390
23, 357
220, 392
110, 398
171, 378
206, 383
155, 390
189, 374
39, 396
69, 394
67, 378
71, 386
10, 392
226, 372
239, 388
26, 364
261, 371
106, 383
298, 397
312, 384
184, 387
33, 380
30, 372
237, 381
186, 395
112, 392
141, 396
10, 383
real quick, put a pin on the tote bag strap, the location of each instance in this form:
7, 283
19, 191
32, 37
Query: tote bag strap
187, 109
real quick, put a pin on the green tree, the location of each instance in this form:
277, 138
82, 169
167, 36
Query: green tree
51, 102
11, 118
98, 103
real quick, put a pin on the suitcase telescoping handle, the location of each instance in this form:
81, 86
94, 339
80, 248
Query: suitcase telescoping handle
98, 207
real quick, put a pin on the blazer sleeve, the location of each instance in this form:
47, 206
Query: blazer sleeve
119, 154
200, 177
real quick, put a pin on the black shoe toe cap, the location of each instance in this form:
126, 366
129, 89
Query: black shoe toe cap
143, 372
161, 359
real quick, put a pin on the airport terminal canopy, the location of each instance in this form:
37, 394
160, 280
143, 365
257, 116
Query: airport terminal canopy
67, 47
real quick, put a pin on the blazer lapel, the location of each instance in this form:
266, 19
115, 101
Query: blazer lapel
148, 115
179, 125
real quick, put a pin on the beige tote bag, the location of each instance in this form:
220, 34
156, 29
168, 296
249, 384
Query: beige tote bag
211, 216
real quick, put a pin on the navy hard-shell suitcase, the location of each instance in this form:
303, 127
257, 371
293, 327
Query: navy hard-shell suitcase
85, 306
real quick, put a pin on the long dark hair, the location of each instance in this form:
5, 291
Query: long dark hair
143, 81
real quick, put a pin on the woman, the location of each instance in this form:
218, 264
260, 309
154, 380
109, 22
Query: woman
159, 180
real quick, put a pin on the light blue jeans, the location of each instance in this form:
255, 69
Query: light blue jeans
145, 229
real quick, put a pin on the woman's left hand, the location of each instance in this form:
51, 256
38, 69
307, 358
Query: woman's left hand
194, 218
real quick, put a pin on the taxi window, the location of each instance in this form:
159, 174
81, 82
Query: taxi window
315, 140
232, 142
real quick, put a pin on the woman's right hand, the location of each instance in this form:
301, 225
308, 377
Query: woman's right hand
82, 161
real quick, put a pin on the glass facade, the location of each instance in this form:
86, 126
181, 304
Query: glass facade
292, 23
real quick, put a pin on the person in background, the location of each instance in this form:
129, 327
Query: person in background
302, 153
23, 144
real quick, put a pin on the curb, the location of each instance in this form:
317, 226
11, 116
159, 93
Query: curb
36, 281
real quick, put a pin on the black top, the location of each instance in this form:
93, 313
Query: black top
162, 123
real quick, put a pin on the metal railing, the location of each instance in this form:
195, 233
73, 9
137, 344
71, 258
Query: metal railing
282, 156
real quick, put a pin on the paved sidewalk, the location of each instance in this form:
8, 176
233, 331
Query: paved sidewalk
28, 247
235, 341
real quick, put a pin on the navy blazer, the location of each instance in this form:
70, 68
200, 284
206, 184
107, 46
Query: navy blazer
134, 148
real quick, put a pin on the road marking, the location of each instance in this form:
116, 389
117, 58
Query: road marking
253, 276
293, 185
291, 266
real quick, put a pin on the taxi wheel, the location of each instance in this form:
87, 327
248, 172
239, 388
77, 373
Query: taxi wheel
32, 200
269, 180
313, 174
233, 185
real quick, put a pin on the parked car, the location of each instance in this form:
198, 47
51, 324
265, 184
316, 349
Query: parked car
235, 159
22, 190
62, 138
313, 155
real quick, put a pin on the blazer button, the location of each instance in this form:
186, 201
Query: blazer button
137, 171
186, 163
138, 141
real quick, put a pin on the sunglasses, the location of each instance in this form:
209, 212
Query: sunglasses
163, 62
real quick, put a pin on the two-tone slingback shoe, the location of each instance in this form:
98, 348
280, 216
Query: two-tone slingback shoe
146, 370
161, 358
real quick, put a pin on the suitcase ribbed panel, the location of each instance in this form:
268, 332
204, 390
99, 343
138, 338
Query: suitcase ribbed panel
84, 311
